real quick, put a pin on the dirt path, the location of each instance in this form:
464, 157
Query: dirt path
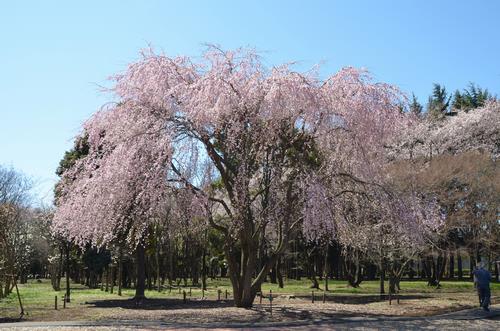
471, 319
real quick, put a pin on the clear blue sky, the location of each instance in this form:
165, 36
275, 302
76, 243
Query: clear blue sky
55, 53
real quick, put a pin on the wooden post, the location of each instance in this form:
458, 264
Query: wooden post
312, 296
226, 294
324, 296
55, 302
19, 298
218, 294
64, 301
203, 293
390, 298
190, 292
260, 298
184, 296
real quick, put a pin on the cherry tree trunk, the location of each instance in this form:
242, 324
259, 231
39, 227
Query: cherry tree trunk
157, 257
59, 271
140, 285
7, 285
242, 264
112, 279
107, 279
170, 264
68, 290
472, 264
353, 271
382, 280
392, 283
204, 270
441, 267
243, 292
120, 270
325, 268
279, 275
241, 269
272, 276
460, 272
451, 269
312, 271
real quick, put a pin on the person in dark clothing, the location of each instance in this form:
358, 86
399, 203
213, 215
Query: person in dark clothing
482, 278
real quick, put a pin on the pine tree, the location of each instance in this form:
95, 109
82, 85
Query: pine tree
438, 102
415, 106
471, 98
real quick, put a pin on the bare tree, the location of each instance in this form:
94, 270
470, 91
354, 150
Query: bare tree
14, 251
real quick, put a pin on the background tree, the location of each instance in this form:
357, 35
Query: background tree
456, 160
15, 245
79, 150
415, 107
470, 98
438, 103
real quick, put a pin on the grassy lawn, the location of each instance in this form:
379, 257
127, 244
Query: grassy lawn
372, 287
38, 298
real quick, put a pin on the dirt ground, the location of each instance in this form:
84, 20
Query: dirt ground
469, 319
284, 309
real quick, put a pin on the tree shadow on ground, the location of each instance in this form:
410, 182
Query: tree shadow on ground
362, 299
10, 320
160, 304
306, 315
179, 304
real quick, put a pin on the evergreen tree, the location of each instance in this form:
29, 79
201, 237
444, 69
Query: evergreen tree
415, 106
471, 98
458, 100
438, 102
